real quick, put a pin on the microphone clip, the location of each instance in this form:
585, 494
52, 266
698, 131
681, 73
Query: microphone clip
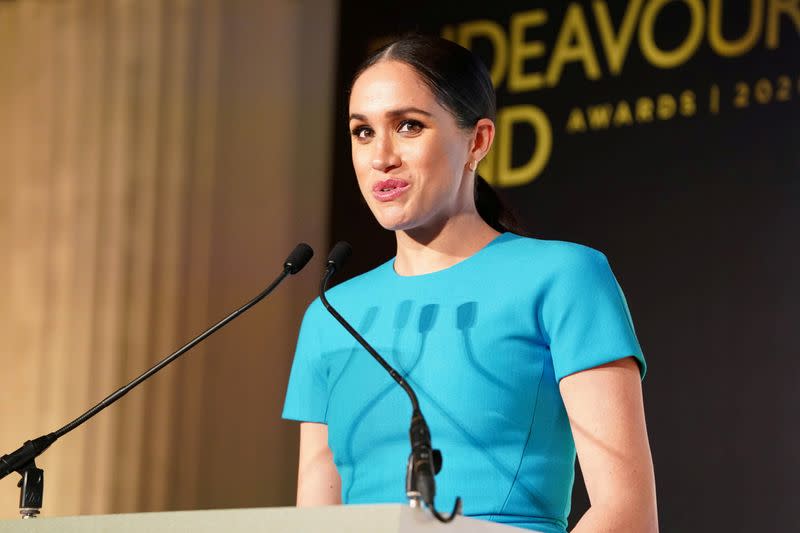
423, 464
31, 490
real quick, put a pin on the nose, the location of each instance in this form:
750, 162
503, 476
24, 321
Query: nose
384, 157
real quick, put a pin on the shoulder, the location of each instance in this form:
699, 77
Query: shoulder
352, 290
359, 284
551, 255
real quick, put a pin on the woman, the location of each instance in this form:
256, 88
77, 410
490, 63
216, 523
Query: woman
521, 350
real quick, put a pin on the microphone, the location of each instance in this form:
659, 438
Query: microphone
340, 253
423, 462
22, 460
299, 257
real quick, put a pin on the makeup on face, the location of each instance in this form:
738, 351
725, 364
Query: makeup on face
408, 152
388, 190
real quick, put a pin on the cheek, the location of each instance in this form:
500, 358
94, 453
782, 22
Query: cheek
361, 165
441, 162
359, 162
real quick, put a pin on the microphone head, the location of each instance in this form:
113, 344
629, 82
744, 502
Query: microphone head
299, 257
339, 255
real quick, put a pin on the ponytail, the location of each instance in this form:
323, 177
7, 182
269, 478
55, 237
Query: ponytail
494, 211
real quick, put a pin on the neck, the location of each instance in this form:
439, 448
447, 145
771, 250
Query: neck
432, 248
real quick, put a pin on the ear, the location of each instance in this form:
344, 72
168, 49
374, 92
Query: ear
482, 139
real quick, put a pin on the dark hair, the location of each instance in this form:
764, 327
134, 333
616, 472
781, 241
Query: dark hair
461, 83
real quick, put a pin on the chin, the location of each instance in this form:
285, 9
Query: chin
391, 225
401, 225
392, 219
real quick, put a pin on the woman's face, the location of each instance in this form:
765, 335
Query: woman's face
409, 154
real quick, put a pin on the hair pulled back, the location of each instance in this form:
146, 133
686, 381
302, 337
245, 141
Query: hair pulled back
461, 84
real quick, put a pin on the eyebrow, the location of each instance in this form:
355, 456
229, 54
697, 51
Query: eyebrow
393, 113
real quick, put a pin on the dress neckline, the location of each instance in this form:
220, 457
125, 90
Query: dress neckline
452, 268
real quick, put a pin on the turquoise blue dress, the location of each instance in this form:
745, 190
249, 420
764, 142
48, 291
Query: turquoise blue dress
484, 344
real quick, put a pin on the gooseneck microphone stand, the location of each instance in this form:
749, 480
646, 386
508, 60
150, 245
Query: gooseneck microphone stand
423, 462
23, 460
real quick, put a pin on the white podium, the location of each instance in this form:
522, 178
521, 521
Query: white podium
390, 518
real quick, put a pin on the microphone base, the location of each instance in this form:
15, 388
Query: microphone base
28, 514
31, 490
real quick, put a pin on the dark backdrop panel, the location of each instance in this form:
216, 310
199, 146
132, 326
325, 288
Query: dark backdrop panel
698, 212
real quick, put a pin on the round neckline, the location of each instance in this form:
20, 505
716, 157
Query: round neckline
455, 266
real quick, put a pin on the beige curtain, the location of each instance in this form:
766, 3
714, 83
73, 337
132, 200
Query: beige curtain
158, 160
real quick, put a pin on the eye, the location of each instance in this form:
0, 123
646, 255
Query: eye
361, 132
410, 126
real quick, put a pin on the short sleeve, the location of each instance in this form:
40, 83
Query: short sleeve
307, 393
585, 315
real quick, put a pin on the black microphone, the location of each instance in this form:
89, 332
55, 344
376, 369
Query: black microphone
423, 462
22, 460
299, 257
340, 253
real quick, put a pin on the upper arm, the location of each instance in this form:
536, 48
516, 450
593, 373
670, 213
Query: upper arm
318, 481
585, 315
606, 413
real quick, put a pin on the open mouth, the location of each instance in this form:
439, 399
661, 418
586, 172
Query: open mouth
388, 190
